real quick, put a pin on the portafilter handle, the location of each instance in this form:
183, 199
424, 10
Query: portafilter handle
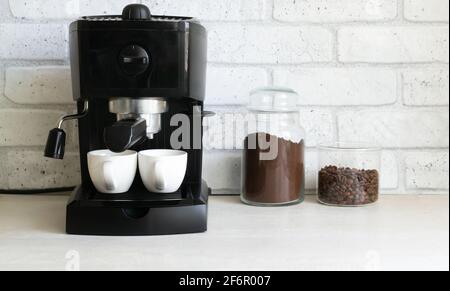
124, 134
56, 140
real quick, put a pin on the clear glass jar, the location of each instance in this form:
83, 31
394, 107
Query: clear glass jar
349, 174
273, 159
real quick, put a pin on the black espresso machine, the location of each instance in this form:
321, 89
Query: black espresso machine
131, 75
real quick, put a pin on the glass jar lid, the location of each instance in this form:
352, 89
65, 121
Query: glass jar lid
355, 146
273, 99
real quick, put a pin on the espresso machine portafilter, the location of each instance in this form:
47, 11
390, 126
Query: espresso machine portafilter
131, 74
137, 119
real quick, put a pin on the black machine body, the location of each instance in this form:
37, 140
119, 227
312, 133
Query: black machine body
136, 71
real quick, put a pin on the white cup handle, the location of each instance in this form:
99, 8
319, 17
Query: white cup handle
160, 182
108, 175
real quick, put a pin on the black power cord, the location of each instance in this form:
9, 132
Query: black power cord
37, 191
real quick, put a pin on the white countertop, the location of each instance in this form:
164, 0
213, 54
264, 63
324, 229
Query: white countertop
399, 233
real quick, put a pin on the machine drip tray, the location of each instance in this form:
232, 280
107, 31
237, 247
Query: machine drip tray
143, 195
186, 195
138, 212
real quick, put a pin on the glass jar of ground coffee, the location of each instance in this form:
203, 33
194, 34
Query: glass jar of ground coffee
273, 159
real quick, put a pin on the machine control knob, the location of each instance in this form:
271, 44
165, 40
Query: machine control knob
134, 60
136, 12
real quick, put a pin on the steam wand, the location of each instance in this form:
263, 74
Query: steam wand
56, 140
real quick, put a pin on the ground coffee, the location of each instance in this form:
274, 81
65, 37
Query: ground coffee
348, 187
275, 181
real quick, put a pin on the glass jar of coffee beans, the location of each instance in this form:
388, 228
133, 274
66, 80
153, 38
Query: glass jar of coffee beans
349, 174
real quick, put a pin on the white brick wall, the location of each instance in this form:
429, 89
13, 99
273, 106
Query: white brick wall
396, 129
212, 10
57, 9
27, 169
426, 10
37, 85
366, 70
26, 127
422, 87
33, 41
398, 44
269, 44
230, 85
334, 11
427, 170
341, 86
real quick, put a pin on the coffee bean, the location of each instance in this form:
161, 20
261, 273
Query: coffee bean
349, 187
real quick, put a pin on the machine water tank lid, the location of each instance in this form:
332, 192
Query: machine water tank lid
137, 13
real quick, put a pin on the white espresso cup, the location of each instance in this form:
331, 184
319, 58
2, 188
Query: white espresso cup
112, 173
162, 171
